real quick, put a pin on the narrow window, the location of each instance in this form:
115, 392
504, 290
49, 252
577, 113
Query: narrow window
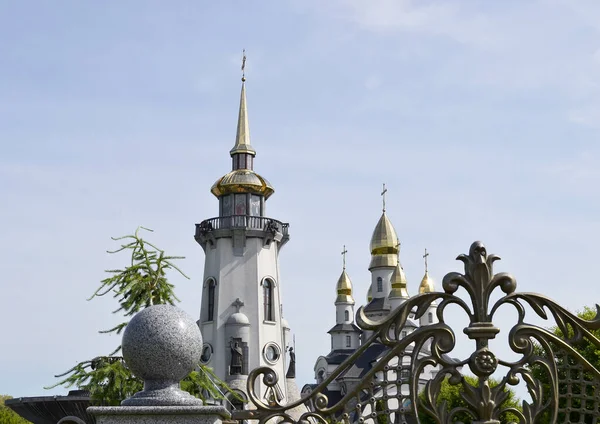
379, 284
268, 299
430, 316
346, 316
211, 300
348, 341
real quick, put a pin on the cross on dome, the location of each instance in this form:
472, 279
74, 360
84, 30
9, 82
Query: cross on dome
238, 304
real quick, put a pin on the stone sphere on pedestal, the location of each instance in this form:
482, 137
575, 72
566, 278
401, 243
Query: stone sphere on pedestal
162, 345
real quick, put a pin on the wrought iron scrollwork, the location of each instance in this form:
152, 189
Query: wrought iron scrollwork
393, 388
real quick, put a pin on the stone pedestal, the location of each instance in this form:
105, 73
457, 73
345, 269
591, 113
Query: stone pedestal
159, 414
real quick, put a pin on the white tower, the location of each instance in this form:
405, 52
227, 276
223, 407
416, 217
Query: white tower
240, 315
344, 334
384, 260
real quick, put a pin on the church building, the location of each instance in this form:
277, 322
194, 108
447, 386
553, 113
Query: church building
241, 316
387, 291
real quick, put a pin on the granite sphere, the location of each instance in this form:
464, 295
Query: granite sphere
162, 343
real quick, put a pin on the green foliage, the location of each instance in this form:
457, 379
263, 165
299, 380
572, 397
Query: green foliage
141, 284
382, 417
588, 350
7, 415
451, 395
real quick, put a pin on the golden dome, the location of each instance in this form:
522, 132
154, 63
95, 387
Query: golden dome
384, 244
426, 285
398, 281
344, 289
242, 181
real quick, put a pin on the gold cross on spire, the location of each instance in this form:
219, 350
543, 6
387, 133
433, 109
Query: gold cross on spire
244, 65
383, 196
425, 257
344, 251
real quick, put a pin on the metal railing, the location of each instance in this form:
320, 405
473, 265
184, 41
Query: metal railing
247, 222
564, 387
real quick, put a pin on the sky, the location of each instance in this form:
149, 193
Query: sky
482, 119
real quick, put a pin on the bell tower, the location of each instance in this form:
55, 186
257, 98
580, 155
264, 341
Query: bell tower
240, 315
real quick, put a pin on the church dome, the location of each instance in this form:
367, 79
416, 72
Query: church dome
384, 244
238, 318
344, 289
398, 282
242, 181
426, 285
369, 294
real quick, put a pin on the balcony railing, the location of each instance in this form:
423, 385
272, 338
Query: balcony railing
242, 222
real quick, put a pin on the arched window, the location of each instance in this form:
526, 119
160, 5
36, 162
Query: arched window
348, 341
379, 284
346, 316
211, 300
430, 316
268, 299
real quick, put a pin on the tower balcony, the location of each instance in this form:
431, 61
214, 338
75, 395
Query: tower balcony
268, 229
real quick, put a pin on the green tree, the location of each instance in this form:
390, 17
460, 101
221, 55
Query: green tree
7, 415
141, 284
451, 394
590, 351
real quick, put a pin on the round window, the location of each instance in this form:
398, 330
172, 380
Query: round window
272, 353
207, 352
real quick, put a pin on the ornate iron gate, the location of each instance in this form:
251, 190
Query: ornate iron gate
563, 385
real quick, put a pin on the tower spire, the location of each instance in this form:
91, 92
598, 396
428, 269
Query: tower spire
242, 138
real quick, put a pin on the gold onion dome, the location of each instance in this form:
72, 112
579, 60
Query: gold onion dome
344, 289
398, 281
426, 285
242, 181
384, 244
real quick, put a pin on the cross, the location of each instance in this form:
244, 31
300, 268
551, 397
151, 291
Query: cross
243, 65
344, 251
425, 257
383, 195
238, 304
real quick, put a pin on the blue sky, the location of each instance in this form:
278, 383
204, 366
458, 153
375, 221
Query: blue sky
482, 118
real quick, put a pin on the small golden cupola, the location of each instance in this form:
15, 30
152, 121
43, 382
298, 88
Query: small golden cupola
398, 280
426, 285
344, 285
242, 178
384, 242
